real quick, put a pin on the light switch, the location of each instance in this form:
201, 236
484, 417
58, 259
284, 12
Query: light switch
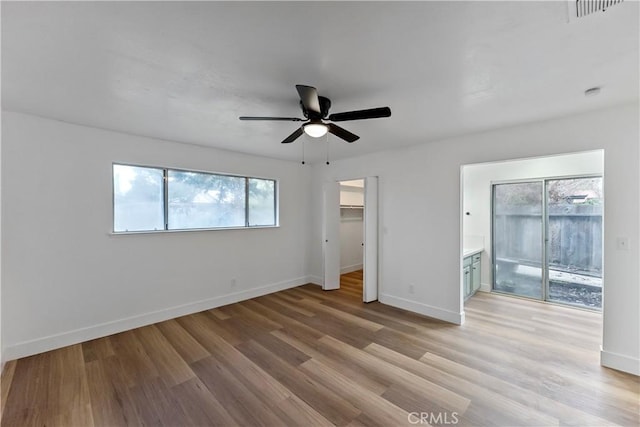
622, 243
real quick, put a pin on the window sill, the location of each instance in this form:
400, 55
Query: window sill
190, 230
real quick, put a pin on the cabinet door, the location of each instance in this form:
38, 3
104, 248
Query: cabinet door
475, 276
467, 281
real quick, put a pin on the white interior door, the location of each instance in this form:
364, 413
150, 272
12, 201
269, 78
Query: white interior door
331, 236
370, 291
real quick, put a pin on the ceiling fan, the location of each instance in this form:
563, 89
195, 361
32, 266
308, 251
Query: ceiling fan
316, 110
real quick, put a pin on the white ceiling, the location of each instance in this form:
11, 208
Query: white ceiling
186, 71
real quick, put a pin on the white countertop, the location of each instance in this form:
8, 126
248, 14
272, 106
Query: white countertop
471, 251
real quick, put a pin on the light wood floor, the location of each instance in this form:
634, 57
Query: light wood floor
306, 357
351, 285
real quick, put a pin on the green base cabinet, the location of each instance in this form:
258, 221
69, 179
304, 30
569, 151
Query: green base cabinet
471, 276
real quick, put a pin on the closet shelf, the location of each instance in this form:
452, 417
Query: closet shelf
351, 207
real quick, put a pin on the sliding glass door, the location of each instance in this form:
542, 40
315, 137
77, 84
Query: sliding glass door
517, 239
547, 240
574, 242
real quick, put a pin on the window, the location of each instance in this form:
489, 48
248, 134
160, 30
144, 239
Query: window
199, 200
262, 204
158, 199
138, 198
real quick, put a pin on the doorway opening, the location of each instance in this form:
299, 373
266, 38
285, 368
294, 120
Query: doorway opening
534, 228
350, 229
352, 237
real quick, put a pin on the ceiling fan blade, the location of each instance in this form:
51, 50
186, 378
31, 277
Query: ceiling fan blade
309, 98
372, 113
295, 135
281, 119
342, 133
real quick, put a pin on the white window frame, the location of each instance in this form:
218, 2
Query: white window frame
165, 172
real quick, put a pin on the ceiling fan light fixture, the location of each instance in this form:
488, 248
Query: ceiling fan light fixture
315, 108
315, 130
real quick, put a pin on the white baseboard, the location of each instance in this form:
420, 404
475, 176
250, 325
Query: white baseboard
424, 309
620, 362
350, 268
485, 287
39, 345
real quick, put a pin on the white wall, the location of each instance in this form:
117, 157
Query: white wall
1, 346
476, 191
351, 250
66, 279
420, 224
351, 230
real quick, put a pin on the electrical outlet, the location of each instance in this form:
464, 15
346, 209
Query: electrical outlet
622, 243
412, 288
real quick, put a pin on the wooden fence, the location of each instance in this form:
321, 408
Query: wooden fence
574, 233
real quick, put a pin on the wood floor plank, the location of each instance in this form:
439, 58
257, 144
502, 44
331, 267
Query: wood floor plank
293, 304
353, 335
348, 318
362, 311
68, 393
30, 384
280, 306
440, 395
565, 413
371, 379
301, 414
264, 322
170, 365
137, 366
219, 314
111, 400
201, 406
156, 405
230, 332
320, 398
413, 402
288, 322
252, 404
282, 349
305, 357
5, 383
188, 348
249, 372
384, 412
523, 368
216, 376
509, 410
98, 348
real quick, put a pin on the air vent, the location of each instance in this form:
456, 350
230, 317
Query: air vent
587, 7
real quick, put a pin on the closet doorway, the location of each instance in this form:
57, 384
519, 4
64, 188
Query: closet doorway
350, 230
352, 237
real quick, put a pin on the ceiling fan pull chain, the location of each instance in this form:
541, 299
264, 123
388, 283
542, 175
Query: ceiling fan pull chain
327, 148
303, 151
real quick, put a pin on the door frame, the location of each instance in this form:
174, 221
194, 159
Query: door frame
371, 241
